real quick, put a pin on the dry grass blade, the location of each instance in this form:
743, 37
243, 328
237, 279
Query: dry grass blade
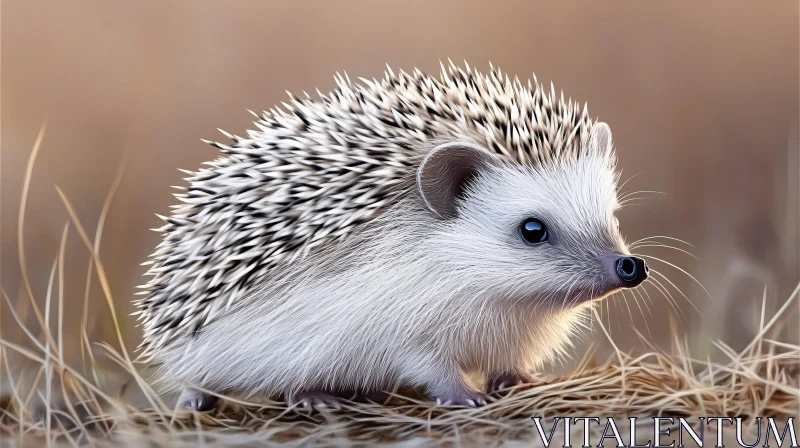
21, 225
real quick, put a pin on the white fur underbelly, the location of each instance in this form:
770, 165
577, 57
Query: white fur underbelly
322, 345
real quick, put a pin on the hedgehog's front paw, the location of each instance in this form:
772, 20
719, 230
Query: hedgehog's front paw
194, 400
463, 397
500, 381
312, 399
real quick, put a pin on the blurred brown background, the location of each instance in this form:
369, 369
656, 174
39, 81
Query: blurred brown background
702, 98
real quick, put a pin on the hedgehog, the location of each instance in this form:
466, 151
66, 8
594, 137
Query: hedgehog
403, 232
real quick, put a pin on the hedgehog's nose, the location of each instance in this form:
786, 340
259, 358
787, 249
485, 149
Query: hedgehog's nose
632, 271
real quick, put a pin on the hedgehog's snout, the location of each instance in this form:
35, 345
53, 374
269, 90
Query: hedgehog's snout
632, 271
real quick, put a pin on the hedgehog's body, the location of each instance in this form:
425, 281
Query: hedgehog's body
372, 239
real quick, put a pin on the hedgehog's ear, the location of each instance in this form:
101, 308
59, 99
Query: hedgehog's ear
445, 172
600, 138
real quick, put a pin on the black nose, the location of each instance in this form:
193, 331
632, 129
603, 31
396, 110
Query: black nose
632, 271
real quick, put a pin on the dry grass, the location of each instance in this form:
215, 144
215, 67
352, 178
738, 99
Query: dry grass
106, 400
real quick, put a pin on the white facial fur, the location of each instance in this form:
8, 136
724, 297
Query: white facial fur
575, 199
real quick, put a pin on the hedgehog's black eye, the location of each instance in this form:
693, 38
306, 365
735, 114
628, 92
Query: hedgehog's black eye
533, 231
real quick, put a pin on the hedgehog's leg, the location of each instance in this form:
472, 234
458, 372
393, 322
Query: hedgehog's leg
455, 390
442, 378
195, 400
459, 395
500, 380
312, 399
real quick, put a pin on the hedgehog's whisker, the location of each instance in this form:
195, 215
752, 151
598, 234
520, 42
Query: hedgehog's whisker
649, 299
652, 241
628, 199
663, 237
634, 292
667, 295
616, 305
665, 290
630, 203
683, 271
625, 299
667, 246
601, 305
631, 199
678, 289
633, 193
629, 179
